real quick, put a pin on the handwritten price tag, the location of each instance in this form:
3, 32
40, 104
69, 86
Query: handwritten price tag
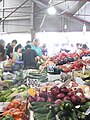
32, 82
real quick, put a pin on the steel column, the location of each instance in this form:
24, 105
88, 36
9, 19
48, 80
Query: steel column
3, 16
32, 31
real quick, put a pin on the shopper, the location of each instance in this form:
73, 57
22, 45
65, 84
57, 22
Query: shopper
84, 46
17, 57
2, 42
35, 46
10, 48
2, 53
2, 50
17, 54
44, 49
2, 56
28, 42
29, 57
78, 48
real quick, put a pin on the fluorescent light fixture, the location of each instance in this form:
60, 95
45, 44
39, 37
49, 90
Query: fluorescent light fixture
51, 10
84, 28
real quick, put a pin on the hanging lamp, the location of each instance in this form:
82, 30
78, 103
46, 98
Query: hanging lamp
51, 10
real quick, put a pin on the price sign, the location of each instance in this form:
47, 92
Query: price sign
32, 82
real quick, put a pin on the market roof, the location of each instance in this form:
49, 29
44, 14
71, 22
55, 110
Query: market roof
74, 13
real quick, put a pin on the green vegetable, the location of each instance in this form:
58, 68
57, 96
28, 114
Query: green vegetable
67, 115
48, 104
83, 108
40, 103
73, 115
64, 116
7, 117
54, 118
4, 92
81, 115
2, 99
9, 93
43, 118
69, 118
42, 110
8, 100
35, 107
66, 105
87, 103
50, 115
56, 109
22, 88
62, 113
39, 116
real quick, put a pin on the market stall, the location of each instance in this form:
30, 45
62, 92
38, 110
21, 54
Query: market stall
58, 91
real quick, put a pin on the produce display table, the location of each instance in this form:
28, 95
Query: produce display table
49, 93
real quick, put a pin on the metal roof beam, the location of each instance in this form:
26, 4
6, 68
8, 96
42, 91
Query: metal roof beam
16, 11
18, 18
76, 7
69, 15
66, 13
13, 11
40, 3
14, 7
79, 0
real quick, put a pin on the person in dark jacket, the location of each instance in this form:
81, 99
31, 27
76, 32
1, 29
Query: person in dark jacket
2, 53
29, 57
2, 42
10, 48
